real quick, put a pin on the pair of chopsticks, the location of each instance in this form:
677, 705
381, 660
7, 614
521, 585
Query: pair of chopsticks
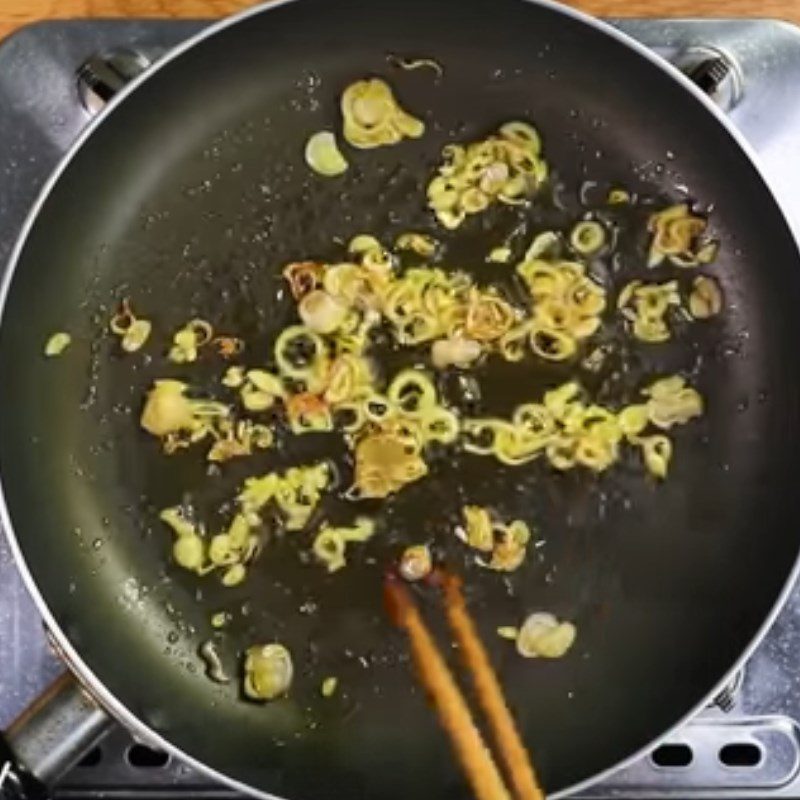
474, 755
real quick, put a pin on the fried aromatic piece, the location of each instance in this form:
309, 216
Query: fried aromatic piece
372, 116
416, 63
645, 306
213, 663
567, 303
340, 304
569, 432
268, 671
506, 167
308, 413
424, 304
705, 300
258, 388
416, 563
296, 494
168, 412
587, 237
302, 356
227, 449
330, 543
322, 312
543, 636
478, 530
420, 243
487, 316
132, 331
239, 439
57, 344
233, 377
188, 549
619, 196
679, 237
220, 619
390, 433
386, 461
188, 340
510, 547
657, 452
328, 687
455, 351
364, 244
323, 155
232, 550
672, 402
502, 546
234, 575
329, 548
303, 277
228, 346
499, 255
349, 379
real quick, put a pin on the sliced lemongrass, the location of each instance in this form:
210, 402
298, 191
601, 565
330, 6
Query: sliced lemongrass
324, 156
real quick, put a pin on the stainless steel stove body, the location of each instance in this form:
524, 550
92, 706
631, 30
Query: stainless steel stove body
748, 743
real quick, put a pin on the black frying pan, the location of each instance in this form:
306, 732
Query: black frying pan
189, 197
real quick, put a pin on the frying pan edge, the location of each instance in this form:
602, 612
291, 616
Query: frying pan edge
86, 676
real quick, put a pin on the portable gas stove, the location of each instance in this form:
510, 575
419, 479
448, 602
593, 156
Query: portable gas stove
53, 76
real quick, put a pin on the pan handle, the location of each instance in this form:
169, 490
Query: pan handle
61, 726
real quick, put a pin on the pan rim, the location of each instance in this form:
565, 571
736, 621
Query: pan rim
84, 674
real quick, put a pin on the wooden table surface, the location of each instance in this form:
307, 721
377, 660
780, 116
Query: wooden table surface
15, 13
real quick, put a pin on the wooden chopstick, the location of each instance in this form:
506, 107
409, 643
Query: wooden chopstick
451, 707
490, 695
454, 714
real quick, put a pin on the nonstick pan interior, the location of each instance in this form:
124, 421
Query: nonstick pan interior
189, 198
